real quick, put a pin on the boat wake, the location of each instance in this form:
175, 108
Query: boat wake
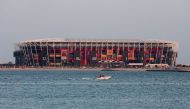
86, 78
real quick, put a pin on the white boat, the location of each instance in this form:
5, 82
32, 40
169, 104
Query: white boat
103, 77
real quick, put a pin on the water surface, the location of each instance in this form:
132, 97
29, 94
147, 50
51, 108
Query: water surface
81, 90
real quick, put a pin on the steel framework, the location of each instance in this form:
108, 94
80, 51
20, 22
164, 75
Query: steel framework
94, 52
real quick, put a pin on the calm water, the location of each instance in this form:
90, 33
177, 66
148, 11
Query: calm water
80, 90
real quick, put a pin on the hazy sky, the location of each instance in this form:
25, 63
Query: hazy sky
144, 19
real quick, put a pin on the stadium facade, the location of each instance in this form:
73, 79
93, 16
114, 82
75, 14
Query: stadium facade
95, 52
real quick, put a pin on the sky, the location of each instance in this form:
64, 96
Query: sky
124, 19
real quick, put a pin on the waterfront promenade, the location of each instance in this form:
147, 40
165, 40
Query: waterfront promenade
73, 68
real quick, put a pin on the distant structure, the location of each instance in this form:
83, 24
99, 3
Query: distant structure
95, 52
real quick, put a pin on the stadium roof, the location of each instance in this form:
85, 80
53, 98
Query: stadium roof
96, 40
174, 44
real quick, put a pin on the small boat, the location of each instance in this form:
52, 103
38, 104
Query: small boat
103, 77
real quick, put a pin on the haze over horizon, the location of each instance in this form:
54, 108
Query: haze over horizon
124, 19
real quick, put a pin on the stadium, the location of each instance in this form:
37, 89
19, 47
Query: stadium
95, 52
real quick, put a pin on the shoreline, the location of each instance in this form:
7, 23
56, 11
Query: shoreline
92, 69
71, 69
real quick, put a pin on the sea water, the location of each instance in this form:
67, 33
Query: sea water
81, 90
